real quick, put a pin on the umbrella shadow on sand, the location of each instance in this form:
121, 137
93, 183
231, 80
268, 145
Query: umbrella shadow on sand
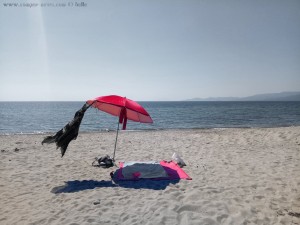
81, 185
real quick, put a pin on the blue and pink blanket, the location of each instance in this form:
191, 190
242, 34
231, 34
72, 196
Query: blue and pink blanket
163, 170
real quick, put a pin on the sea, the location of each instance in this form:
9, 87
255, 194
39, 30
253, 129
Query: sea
49, 117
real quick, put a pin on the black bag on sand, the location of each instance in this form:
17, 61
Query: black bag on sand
105, 162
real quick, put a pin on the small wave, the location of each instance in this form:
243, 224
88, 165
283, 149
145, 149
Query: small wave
24, 133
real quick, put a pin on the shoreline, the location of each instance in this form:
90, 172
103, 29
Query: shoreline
149, 130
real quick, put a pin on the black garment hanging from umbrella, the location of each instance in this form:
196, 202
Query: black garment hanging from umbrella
70, 132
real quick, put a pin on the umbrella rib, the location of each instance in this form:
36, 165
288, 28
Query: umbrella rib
123, 106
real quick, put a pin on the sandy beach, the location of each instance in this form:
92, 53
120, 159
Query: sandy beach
239, 176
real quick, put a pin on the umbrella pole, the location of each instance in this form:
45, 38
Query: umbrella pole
116, 142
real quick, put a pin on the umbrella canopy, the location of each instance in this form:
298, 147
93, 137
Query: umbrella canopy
123, 108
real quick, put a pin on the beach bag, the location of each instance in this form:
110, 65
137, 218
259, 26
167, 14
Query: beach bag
105, 162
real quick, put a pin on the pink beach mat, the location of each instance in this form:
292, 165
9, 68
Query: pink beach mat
163, 170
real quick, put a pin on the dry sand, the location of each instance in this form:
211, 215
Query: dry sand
240, 176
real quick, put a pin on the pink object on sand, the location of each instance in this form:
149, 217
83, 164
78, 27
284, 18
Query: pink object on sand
172, 169
136, 175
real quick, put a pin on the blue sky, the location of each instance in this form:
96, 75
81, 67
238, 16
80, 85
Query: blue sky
148, 50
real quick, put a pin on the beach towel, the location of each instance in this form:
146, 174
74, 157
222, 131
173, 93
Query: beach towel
163, 170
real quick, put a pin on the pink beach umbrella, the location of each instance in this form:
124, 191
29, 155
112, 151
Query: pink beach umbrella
123, 108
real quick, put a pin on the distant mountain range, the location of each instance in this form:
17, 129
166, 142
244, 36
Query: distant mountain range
283, 96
